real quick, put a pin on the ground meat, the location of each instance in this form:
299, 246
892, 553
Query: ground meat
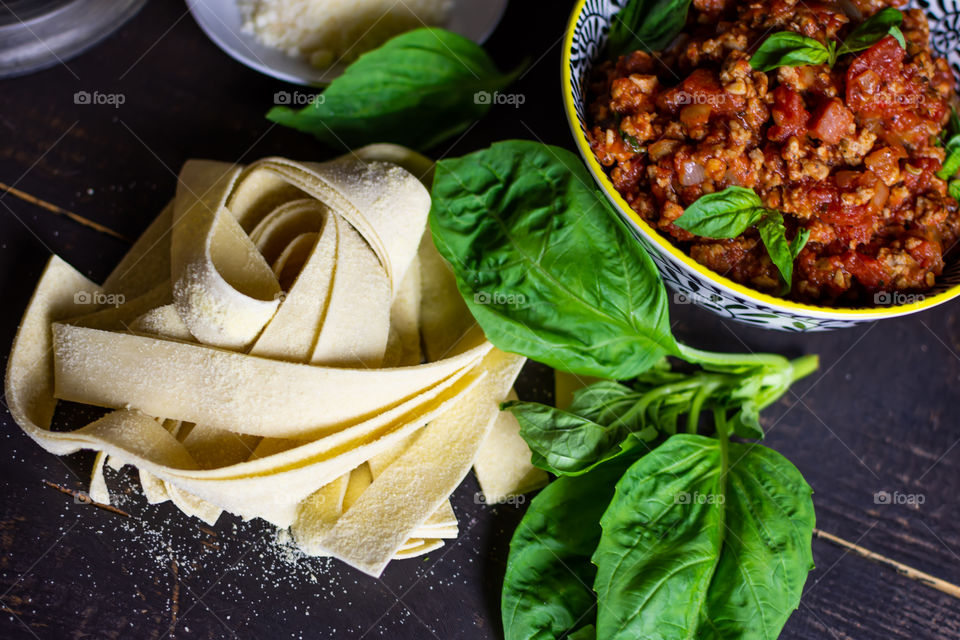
848, 153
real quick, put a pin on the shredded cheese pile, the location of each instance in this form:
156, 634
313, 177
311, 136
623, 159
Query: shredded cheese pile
329, 31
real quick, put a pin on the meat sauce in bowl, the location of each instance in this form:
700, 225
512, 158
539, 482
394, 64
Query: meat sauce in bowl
849, 153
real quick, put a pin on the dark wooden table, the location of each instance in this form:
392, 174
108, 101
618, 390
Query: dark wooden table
880, 415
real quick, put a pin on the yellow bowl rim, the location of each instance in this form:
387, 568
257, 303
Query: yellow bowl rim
678, 256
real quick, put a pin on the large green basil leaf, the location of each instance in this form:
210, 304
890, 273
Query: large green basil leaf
723, 214
649, 25
547, 587
695, 547
545, 265
418, 89
789, 49
658, 549
872, 30
766, 547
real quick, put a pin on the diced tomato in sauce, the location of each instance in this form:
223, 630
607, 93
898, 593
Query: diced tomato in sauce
880, 87
832, 122
789, 114
869, 271
878, 65
702, 87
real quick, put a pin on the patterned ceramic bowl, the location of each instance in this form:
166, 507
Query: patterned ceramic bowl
691, 282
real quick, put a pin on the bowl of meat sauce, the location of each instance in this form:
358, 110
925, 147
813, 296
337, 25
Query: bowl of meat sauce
786, 164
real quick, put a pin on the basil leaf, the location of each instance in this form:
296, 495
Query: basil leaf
722, 214
689, 543
568, 444
799, 242
874, 29
631, 141
766, 552
547, 587
586, 633
656, 551
545, 265
649, 25
728, 213
951, 163
602, 399
774, 236
595, 428
418, 89
746, 422
898, 36
789, 49
610, 403
953, 188
951, 147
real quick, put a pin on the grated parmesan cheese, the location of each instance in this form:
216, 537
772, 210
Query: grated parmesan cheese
329, 31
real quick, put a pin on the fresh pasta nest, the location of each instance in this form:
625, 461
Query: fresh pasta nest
290, 346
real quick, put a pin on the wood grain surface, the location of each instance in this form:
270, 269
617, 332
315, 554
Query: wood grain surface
880, 416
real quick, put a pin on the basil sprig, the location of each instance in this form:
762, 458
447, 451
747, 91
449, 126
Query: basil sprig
680, 536
728, 213
647, 24
417, 90
703, 517
789, 49
951, 163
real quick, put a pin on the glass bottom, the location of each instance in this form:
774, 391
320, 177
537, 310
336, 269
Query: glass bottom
37, 34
